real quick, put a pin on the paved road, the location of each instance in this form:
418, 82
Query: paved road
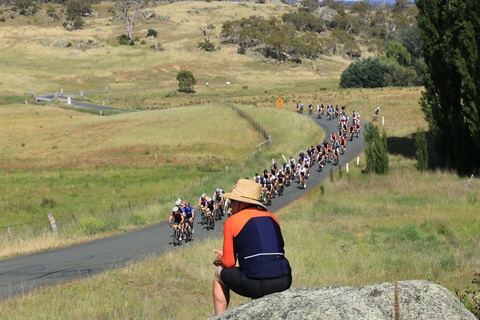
63, 97
26, 273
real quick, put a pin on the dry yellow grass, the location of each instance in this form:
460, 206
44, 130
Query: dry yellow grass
47, 69
48, 137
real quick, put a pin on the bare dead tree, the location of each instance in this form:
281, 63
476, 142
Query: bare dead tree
207, 31
126, 7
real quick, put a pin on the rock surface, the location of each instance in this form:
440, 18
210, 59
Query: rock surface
417, 300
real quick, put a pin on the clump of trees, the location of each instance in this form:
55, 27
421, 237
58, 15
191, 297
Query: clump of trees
309, 32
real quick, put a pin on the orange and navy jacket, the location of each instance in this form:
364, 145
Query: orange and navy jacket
254, 237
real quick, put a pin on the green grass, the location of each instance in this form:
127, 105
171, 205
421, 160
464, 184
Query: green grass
347, 236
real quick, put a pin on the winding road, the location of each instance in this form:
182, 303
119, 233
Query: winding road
23, 274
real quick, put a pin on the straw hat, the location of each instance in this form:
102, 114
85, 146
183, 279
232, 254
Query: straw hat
247, 191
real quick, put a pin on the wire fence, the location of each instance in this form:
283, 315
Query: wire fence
116, 216
253, 122
112, 217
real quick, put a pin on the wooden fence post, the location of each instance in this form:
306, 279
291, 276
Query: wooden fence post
53, 224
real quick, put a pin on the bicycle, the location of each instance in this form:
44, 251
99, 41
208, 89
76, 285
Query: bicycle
218, 213
176, 234
203, 215
187, 232
210, 221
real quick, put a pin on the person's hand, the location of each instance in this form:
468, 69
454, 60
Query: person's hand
218, 259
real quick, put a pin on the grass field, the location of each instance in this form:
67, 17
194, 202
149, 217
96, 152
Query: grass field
354, 229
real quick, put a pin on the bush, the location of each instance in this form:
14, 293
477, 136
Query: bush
152, 33
78, 22
421, 153
365, 73
50, 203
471, 298
138, 218
207, 46
376, 152
123, 40
241, 50
92, 226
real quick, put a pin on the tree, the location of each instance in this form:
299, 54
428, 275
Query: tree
186, 81
398, 52
376, 152
130, 19
421, 153
451, 100
76, 9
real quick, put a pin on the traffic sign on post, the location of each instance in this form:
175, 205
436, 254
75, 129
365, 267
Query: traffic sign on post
280, 103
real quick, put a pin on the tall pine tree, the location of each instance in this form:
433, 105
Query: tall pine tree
450, 31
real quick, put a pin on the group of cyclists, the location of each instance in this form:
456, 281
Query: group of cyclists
183, 214
273, 181
181, 220
297, 169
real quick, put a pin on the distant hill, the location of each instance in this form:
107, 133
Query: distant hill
350, 2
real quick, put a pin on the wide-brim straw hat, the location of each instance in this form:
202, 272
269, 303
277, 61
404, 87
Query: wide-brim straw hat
247, 191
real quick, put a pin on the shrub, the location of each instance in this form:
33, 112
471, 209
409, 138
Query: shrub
421, 153
50, 203
471, 298
207, 46
123, 39
152, 33
366, 73
138, 218
241, 49
92, 226
376, 152
78, 22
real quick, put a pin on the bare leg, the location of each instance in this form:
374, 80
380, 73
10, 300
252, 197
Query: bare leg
221, 294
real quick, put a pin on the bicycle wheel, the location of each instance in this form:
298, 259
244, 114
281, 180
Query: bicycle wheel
175, 237
211, 223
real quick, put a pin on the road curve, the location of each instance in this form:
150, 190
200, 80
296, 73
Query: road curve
23, 274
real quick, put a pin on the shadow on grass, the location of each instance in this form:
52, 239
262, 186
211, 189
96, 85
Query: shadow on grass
405, 147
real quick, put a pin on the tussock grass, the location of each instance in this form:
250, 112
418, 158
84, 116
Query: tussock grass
353, 234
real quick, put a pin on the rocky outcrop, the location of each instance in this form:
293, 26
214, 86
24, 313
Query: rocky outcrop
414, 299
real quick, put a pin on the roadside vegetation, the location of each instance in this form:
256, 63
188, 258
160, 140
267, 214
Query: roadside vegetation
100, 176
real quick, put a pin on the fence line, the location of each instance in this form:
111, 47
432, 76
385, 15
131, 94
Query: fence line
253, 122
69, 219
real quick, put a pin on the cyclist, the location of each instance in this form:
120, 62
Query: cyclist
218, 200
177, 218
333, 137
256, 178
189, 215
352, 130
375, 113
343, 144
202, 200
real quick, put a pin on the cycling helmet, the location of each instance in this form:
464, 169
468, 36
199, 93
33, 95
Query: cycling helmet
179, 201
203, 195
175, 209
